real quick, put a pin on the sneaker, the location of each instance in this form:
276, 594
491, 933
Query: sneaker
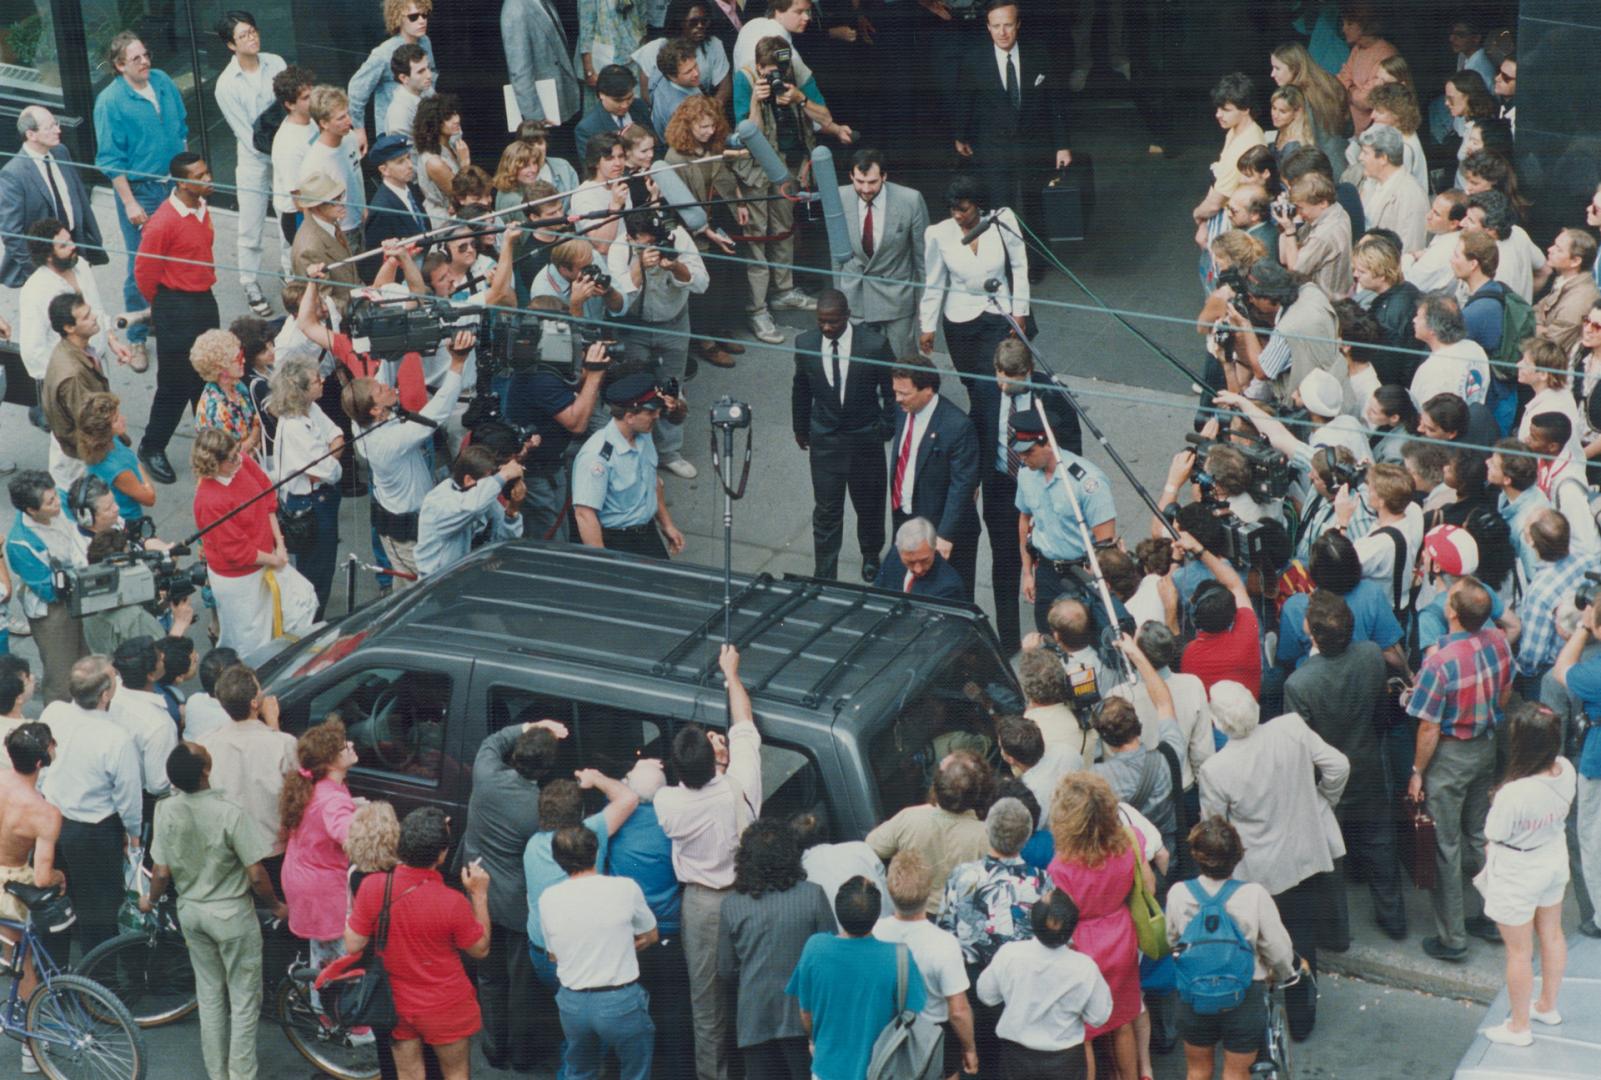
1483, 928
139, 357
681, 469
1503, 1034
29, 1065
1549, 1019
18, 624
257, 302
762, 325
1589, 929
792, 300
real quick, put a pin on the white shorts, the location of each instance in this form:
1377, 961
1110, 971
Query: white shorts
1514, 885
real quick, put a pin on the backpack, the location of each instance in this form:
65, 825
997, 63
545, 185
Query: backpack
911, 1046
1215, 963
1517, 325
266, 126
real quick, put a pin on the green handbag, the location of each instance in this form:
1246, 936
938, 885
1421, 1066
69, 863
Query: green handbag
1150, 922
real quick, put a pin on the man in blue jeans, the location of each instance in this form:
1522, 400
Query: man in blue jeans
140, 126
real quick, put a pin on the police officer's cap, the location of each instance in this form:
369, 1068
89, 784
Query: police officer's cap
637, 391
388, 148
1028, 431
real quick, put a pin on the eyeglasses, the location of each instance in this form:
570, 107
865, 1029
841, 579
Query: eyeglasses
1593, 324
246, 32
416, 16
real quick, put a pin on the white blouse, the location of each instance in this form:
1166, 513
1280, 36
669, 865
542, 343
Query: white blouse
301, 440
955, 277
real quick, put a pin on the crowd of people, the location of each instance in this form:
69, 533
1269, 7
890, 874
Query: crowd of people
1369, 592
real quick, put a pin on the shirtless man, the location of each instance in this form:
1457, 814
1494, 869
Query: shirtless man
27, 824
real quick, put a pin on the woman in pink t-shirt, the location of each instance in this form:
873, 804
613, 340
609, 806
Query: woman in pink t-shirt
316, 809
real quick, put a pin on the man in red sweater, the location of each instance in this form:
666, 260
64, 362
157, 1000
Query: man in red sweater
174, 271
1228, 640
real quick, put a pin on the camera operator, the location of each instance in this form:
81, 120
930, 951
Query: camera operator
1331, 467
396, 453
1317, 394
1226, 480
657, 270
103, 631
1304, 329
617, 496
339, 351
1054, 559
458, 510
577, 278
41, 536
458, 271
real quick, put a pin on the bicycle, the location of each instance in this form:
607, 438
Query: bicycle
148, 970
75, 1028
1275, 1063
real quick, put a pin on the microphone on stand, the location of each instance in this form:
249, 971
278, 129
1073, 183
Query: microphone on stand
984, 223
406, 414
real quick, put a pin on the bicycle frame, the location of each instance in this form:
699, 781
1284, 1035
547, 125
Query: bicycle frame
27, 947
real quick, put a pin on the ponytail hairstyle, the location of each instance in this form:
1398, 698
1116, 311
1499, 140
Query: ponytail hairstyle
317, 751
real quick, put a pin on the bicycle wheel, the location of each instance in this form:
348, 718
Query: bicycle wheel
330, 1048
1278, 1036
150, 974
78, 1030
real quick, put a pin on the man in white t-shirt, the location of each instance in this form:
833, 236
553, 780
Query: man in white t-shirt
292, 87
1430, 269
938, 956
414, 75
1521, 257
594, 927
1456, 364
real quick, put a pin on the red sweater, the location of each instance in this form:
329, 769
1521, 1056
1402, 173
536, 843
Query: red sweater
169, 235
231, 548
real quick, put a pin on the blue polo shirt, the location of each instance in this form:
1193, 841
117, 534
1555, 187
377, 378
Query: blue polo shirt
1372, 617
1431, 620
1056, 534
616, 480
541, 872
135, 139
641, 851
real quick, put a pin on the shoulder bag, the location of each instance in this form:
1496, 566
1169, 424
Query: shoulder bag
1150, 922
355, 988
910, 1046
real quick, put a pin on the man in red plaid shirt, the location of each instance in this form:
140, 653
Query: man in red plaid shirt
1458, 700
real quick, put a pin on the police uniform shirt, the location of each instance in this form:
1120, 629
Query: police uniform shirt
616, 480
1056, 534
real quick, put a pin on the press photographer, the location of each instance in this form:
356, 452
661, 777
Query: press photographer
657, 271
104, 630
577, 278
481, 499
1304, 330
41, 537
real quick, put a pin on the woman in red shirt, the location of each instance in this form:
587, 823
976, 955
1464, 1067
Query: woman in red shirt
259, 595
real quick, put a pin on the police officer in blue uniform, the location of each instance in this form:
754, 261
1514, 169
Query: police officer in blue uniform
617, 497
1054, 560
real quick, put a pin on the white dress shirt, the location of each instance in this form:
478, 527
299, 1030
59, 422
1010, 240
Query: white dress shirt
401, 478
919, 428
843, 344
249, 761
955, 274
703, 823
301, 440
36, 340
1050, 994
144, 716
96, 770
590, 923
50, 169
244, 95
1002, 57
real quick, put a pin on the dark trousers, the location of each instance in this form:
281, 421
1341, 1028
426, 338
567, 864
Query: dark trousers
964, 550
1018, 1062
90, 854
178, 318
1050, 586
1017, 183
664, 974
506, 993
777, 1059
972, 347
643, 540
840, 464
1371, 845
1306, 910
317, 565
1006, 560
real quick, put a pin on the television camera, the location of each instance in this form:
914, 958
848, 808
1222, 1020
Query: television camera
390, 327
1271, 475
137, 576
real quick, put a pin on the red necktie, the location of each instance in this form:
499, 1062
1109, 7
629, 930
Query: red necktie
906, 586
867, 232
901, 461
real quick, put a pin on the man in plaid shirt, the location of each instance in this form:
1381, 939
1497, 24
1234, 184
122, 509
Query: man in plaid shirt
1561, 573
1458, 700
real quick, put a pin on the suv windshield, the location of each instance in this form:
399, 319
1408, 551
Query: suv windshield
955, 710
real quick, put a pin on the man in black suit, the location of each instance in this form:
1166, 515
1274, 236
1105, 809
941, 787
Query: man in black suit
913, 566
615, 87
396, 209
1011, 115
41, 181
934, 466
1018, 388
844, 430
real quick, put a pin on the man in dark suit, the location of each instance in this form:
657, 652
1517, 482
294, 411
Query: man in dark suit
934, 466
615, 86
41, 181
844, 430
1011, 115
396, 208
913, 566
1018, 388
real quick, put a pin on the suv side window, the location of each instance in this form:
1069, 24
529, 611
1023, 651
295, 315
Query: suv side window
395, 716
790, 785
513, 705
611, 739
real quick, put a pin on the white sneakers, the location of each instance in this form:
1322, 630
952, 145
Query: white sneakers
681, 468
792, 300
762, 325
1503, 1034
1549, 1019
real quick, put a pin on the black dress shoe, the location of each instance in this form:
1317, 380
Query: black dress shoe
1589, 929
870, 568
160, 468
1484, 928
1395, 931
1441, 951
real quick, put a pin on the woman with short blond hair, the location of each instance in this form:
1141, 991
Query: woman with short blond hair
219, 359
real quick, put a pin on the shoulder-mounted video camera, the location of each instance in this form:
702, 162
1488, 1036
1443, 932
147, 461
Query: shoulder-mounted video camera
1271, 476
138, 576
390, 327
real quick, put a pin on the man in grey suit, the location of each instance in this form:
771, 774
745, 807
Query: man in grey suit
886, 223
536, 48
42, 182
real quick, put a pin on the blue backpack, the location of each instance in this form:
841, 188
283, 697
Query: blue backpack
1215, 963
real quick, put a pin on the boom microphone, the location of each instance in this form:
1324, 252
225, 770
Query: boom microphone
839, 238
984, 223
415, 418
679, 197
752, 139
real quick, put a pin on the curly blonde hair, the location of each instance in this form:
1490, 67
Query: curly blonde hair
518, 155
289, 386
214, 352
1084, 821
96, 421
213, 447
395, 12
681, 128
373, 837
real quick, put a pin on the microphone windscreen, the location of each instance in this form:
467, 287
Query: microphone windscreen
678, 196
752, 139
839, 237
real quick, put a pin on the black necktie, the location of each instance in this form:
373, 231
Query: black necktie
55, 192
1013, 462
839, 383
1012, 90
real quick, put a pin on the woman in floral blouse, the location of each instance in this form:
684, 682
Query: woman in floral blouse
608, 33
219, 359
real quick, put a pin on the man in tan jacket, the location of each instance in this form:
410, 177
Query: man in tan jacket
320, 240
72, 375
1559, 314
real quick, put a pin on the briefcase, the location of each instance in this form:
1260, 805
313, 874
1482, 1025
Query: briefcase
1069, 198
1417, 842
20, 387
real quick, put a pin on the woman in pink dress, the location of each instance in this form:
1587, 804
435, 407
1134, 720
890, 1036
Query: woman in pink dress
1096, 859
316, 809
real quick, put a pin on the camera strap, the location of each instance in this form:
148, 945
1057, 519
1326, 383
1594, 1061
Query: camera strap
1398, 573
